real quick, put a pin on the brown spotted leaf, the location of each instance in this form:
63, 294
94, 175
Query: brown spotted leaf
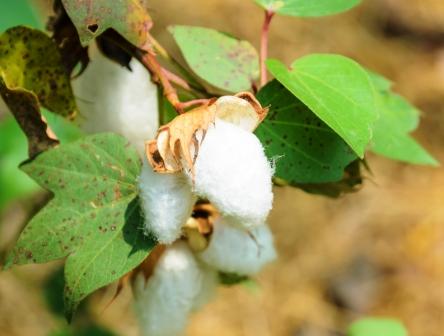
178, 141
221, 60
94, 218
93, 17
31, 76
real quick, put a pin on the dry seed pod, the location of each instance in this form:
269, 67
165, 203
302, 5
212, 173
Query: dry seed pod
177, 143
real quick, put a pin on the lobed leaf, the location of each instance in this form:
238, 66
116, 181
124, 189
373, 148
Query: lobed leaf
391, 131
94, 218
337, 90
307, 150
221, 60
308, 8
92, 17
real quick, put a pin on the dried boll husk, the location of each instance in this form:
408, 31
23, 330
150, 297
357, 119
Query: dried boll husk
177, 143
111, 98
234, 250
167, 203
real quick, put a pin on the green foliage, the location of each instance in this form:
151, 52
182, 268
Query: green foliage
94, 218
337, 90
93, 17
231, 279
350, 182
307, 7
377, 327
223, 61
307, 150
391, 131
14, 183
14, 13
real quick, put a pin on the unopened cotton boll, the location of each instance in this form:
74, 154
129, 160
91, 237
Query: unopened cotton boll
167, 202
164, 302
112, 98
235, 250
233, 173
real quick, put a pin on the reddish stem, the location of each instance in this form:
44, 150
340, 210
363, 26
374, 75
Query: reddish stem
264, 46
193, 102
176, 79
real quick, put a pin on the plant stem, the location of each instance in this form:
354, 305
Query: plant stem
264, 46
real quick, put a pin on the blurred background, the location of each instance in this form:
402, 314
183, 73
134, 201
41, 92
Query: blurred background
377, 252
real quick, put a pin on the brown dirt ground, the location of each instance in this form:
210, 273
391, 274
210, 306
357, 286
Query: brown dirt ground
377, 252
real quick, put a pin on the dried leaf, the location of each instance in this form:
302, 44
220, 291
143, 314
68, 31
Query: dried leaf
177, 143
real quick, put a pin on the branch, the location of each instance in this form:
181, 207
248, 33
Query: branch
264, 46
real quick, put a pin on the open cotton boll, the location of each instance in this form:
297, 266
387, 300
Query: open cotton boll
233, 173
234, 250
167, 202
112, 98
165, 301
210, 282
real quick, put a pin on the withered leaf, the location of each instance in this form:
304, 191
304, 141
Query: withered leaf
32, 75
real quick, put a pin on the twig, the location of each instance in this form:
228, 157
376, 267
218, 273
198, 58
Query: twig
264, 46
194, 102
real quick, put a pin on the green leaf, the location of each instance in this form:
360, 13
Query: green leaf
223, 61
337, 90
376, 327
391, 131
350, 182
14, 13
14, 183
92, 17
307, 150
307, 8
94, 218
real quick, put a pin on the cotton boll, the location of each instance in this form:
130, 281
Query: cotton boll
112, 98
234, 250
232, 171
210, 281
167, 202
165, 301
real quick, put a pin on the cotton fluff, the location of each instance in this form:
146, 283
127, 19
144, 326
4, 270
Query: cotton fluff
112, 98
164, 302
234, 250
233, 173
167, 202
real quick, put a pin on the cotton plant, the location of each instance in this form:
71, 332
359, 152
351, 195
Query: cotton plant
219, 144
171, 187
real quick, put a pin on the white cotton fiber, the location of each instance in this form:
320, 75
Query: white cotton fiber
112, 98
232, 171
210, 281
165, 301
167, 203
235, 250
